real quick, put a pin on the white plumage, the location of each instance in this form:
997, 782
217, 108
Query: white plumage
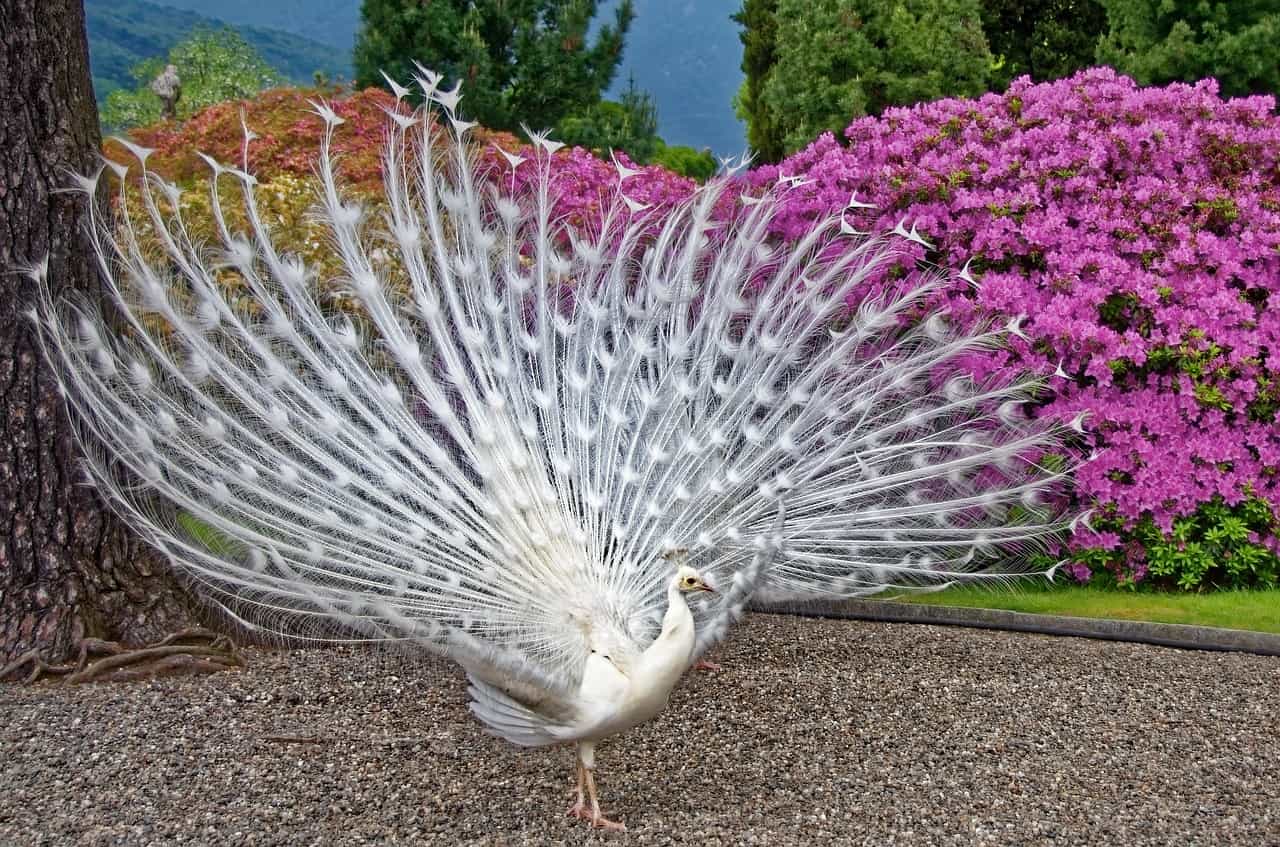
498, 455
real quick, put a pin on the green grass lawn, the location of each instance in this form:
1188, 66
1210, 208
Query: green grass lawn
1253, 610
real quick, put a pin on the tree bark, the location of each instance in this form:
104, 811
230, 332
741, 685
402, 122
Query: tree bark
69, 569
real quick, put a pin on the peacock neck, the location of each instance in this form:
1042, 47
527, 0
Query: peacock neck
668, 656
678, 616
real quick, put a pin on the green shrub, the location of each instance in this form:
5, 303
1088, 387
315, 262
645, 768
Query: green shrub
629, 125
1160, 41
695, 164
1216, 547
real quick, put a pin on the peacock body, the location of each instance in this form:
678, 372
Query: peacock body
565, 457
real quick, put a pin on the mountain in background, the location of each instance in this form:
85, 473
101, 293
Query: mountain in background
125, 32
685, 53
332, 22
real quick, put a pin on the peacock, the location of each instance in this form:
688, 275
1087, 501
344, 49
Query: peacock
564, 455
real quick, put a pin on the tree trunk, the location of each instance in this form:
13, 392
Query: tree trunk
68, 567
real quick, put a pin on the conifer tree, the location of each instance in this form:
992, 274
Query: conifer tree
1161, 41
835, 60
759, 52
520, 61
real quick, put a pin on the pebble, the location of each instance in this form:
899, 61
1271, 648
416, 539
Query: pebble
854, 732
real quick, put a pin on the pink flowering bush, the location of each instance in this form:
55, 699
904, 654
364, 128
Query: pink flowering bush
584, 185
1138, 230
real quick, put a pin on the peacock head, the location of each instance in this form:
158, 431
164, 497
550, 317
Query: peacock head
689, 581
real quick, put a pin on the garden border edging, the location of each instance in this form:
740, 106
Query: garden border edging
1180, 636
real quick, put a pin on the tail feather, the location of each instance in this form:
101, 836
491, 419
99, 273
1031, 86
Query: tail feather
508, 718
489, 449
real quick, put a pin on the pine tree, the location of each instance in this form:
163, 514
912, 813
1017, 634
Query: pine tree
835, 60
759, 52
520, 61
1161, 41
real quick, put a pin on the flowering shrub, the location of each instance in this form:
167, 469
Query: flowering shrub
584, 185
1138, 230
282, 155
283, 203
288, 137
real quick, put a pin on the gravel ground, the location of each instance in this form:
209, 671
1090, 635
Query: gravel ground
865, 733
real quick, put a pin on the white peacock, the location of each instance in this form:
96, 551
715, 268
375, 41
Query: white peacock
563, 457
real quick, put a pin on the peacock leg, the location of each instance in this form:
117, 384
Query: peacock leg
598, 819
579, 809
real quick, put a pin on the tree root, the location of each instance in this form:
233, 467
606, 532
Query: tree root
190, 651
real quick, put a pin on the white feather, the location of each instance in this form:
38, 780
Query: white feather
495, 477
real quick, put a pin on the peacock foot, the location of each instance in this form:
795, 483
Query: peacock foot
601, 822
704, 665
583, 812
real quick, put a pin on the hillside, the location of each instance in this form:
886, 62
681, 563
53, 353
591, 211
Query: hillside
124, 32
332, 22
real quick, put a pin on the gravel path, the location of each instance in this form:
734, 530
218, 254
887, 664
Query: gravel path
874, 734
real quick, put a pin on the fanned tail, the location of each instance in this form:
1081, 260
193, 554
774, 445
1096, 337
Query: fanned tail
490, 452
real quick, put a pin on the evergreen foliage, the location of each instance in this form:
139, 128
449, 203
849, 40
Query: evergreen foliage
521, 61
630, 124
759, 52
1160, 41
838, 59
1045, 39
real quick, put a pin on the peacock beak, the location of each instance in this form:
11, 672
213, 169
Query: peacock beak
707, 588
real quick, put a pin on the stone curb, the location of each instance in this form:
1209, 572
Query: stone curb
1180, 636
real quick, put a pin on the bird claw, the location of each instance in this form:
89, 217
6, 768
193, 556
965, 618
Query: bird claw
704, 665
582, 811
601, 822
